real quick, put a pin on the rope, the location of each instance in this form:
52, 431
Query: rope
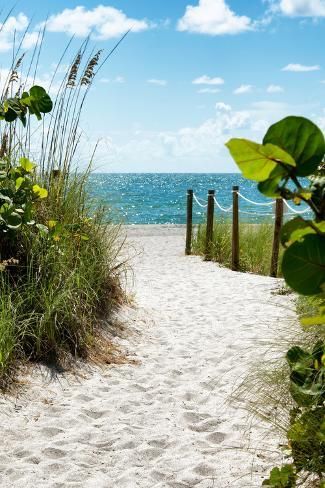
222, 208
255, 213
254, 203
293, 210
199, 203
228, 209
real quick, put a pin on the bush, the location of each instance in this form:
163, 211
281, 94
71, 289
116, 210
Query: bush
292, 149
59, 258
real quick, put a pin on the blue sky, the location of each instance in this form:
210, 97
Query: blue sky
192, 73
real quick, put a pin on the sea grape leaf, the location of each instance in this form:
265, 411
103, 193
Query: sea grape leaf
27, 165
270, 187
13, 220
281, 478
40, 192
42, 99
303, 265
297, 228
302, 139
259, 162
37, 100
19, 181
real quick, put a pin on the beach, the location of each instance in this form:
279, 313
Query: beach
164, 418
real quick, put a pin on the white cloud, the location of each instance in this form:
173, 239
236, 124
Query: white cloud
223, 107
180, 150
213, 17
209, 90
45, 80
300, 68
300, 8
104, 80
243, 89
31, 39
117, 79
154, 81
103, 22
274, 89
206, 80
9, 28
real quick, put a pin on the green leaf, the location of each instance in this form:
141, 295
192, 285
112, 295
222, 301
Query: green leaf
40, 192
297, 355
281, 478
303, 265
27, 165
19, 181
296, 229
258, 162
270, 187
40, 99
13, 220
5, 198
302, 139
316, 320
42, 229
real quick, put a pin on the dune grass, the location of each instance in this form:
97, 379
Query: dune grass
61, 274
255, 245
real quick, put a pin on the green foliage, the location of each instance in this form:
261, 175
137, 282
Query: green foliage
18, 196
284, 477
59, 267
35, 102
300, 148
306, 437
303, 265
307, 375
259, 162
294, 148
302, 139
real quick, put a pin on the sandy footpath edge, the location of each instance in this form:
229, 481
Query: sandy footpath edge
164, 422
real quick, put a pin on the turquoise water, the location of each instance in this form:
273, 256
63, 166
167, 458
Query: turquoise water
161, 198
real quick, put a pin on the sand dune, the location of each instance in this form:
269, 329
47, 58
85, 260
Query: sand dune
164, 422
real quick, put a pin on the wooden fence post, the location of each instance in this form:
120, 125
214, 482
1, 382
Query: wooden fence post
189, 220
235, 229
276, 237
209, 230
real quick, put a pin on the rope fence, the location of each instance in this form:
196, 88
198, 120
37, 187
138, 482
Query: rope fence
278, 215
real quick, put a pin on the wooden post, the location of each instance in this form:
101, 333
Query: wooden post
276, 237
209, 230
189, 220
235, 229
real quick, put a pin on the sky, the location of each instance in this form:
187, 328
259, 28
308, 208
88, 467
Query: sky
190, 75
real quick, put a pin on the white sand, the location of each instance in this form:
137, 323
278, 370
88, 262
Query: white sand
164, 422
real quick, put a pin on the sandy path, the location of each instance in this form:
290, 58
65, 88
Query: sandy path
162, 423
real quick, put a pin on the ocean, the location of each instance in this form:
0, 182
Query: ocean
155, 198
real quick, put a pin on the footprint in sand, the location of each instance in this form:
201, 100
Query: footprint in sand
53, 453
51, 431
206, 426
216, 437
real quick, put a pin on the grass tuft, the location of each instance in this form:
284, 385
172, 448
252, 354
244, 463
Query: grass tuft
255, 245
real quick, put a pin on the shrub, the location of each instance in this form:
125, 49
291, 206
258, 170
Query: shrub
292, 149
59, 258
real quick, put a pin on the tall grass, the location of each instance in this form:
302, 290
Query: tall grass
255, 245
59, 280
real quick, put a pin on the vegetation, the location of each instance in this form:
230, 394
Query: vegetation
59, 259
255, 245
291, 149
